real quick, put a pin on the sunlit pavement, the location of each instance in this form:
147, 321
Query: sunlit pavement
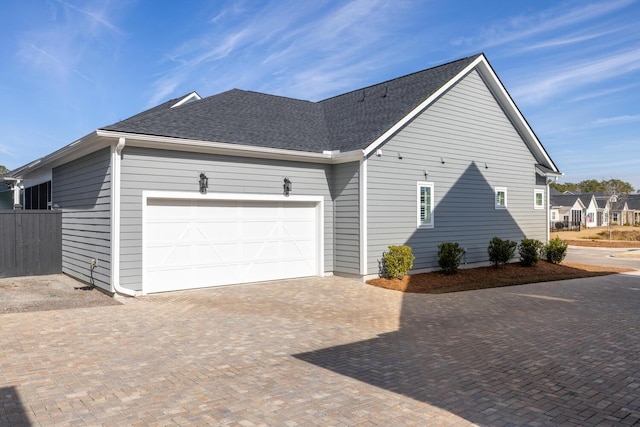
331, 351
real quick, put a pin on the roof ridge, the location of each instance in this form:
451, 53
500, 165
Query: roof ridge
402, 77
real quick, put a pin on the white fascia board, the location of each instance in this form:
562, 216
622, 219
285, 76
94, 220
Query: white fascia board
385, 136
199, 146
548, 173
81, 147
510, 108
193, 96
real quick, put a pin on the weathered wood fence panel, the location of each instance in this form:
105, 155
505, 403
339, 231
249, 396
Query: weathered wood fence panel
30, 243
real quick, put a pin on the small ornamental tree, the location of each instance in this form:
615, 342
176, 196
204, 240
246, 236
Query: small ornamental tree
398, 261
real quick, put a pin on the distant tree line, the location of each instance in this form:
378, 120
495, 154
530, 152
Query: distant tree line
608, 186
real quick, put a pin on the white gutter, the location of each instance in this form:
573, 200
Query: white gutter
116, 163
170, 143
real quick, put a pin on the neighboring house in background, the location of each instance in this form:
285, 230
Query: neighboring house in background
569, 210
591, 210
598, 209
633, 204
244, 186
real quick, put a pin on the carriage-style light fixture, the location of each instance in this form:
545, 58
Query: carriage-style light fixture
204, 183
286, 187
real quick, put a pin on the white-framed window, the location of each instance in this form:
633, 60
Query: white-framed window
501, 197
425, 204
538, 199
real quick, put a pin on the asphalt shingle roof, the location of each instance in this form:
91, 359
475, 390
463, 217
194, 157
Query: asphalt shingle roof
346, 122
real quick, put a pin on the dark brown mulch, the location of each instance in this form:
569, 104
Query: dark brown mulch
491, 277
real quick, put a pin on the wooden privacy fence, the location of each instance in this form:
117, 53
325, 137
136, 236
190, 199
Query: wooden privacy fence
30, 243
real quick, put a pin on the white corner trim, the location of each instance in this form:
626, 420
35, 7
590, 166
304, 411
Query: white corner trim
363, 217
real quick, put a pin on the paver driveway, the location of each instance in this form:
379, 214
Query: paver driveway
331, 352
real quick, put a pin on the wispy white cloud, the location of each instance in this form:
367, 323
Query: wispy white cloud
288, 48
525, 26
601, 93
567, 76
52, 60
59, 47
98, 17
618, 120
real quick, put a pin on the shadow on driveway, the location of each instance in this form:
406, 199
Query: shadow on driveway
12, 412
544, 354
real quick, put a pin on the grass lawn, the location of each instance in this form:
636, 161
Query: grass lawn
491, 277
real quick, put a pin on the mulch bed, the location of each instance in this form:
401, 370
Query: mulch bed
491, 277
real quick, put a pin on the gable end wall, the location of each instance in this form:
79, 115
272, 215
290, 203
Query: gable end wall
468, 131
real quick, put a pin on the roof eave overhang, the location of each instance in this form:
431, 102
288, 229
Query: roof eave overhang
80, 147
223, 148
547, 173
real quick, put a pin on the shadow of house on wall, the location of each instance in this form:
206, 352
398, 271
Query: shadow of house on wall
469, 353
466, 214
12, 412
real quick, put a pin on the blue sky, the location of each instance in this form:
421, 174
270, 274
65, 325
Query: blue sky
69, 67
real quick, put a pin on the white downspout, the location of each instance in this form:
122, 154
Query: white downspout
116, 161
363, 217
16, 193
548, 207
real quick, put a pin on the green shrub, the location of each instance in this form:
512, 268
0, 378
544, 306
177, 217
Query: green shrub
501, 251
529, 250
556, 250
449, 257
398, 261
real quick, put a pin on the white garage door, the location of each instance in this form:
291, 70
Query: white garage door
199, 243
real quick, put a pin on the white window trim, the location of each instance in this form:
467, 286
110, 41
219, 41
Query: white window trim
535, 199
419, 223
495, 197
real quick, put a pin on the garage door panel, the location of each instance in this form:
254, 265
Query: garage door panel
299, 229
221, 231
198, 243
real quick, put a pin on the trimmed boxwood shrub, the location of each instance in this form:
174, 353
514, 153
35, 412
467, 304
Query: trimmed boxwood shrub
529, 250
501, 251
449, 257
556, 250
398, 261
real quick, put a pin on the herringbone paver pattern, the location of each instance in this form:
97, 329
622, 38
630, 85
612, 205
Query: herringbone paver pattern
331, 352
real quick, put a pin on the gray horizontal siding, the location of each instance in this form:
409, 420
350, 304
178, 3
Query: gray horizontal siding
165, 170
347, 217
82, 190
481, 150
